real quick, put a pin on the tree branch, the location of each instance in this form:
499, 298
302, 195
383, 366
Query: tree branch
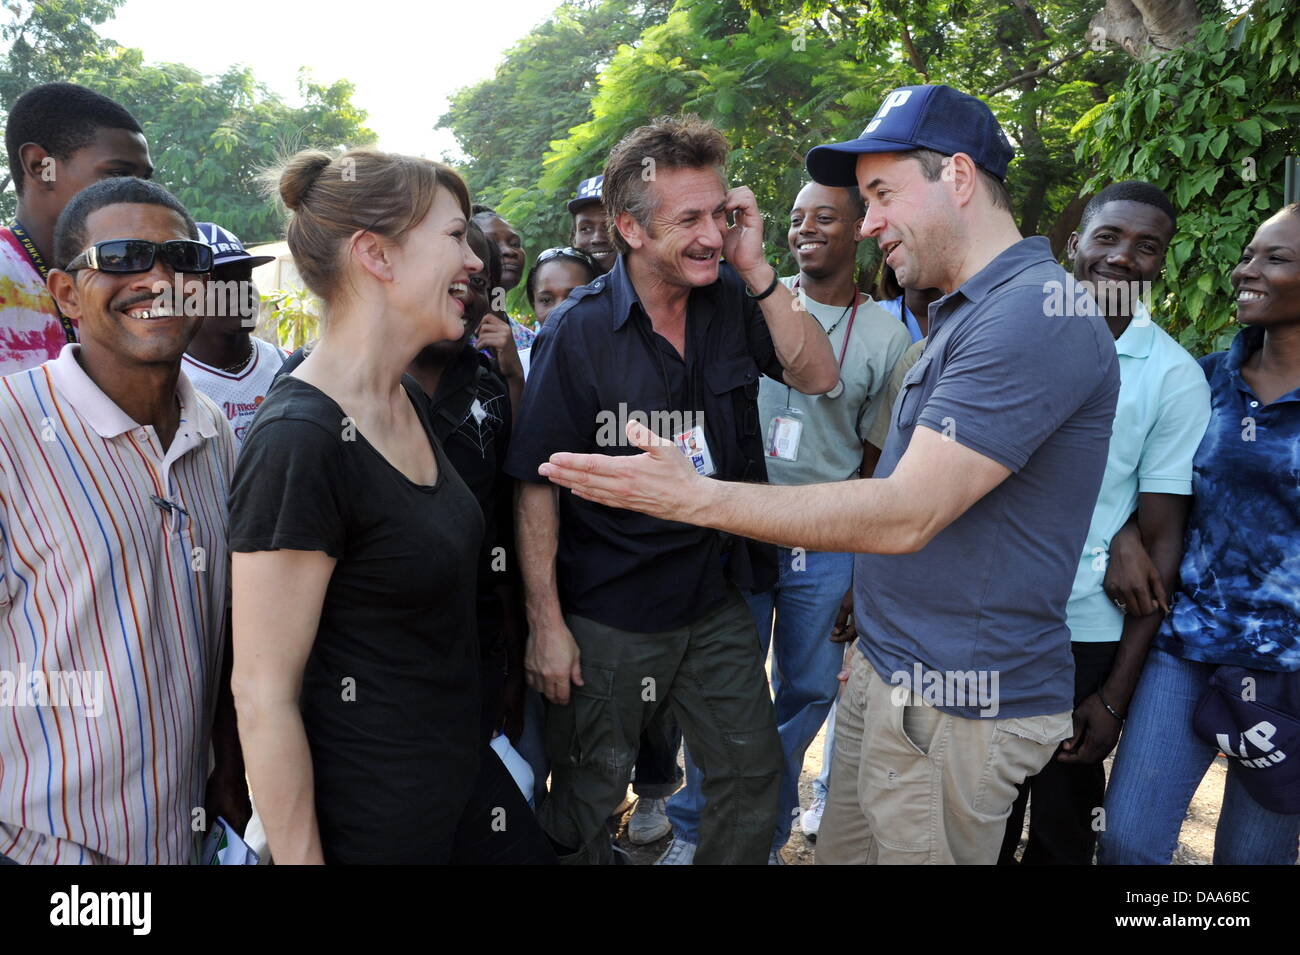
835, 11
913, 54
1031, 19
1035, 73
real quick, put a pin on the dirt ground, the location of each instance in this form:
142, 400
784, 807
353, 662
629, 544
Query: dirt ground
1195, 844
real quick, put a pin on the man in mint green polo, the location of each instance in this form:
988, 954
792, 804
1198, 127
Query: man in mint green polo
1162, 411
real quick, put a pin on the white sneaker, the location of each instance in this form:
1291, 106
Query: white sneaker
678, 852
774, 857
811, 820
649, 822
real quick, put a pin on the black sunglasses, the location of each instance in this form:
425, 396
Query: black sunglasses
565, 252
139, 255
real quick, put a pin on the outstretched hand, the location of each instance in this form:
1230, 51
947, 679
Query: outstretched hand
661, 482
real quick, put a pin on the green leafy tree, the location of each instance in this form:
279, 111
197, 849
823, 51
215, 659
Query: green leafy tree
47, 41
1210, 123
209, 136
779, 77
542, 87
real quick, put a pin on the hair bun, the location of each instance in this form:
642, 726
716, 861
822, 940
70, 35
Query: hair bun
300, 174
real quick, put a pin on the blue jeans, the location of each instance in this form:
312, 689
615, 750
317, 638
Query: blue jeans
805, 600
1160, 763
822, 784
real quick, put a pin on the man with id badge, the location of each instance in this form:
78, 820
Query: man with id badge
811, 439
628, 613
968, 534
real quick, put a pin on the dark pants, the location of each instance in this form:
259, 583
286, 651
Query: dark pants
711, 675
657, 775
1066, 796
498, 827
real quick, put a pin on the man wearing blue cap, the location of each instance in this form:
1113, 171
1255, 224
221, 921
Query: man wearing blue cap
590, 230
969, 534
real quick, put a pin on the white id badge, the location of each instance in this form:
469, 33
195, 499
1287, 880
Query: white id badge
696, 447
783, 435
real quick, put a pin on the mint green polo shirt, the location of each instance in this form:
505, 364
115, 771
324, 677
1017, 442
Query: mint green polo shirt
1161, 414
834, 428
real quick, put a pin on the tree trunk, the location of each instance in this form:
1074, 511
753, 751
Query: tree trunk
1066, 222
1146, 29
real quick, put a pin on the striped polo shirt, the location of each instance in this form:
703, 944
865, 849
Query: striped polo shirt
112, 612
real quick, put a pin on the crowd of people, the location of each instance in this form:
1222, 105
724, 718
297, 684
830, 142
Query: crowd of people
438, 586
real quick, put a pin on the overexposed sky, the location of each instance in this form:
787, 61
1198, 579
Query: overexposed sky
405, 58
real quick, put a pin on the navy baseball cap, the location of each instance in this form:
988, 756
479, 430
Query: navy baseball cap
918, 117
588, 192
226, 247
1261, 735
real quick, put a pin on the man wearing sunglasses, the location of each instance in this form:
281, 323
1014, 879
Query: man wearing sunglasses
112, 510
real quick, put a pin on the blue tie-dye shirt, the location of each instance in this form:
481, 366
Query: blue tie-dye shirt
1240, 594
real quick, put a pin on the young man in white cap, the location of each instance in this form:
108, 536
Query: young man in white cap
225, 360
969, 534
590, 230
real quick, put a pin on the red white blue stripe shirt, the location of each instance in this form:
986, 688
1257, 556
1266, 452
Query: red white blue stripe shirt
112, 613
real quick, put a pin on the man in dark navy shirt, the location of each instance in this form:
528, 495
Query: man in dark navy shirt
628, 612
970, 533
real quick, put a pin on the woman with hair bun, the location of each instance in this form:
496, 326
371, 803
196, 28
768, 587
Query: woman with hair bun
354, 543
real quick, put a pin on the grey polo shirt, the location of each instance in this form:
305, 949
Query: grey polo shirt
1036, 392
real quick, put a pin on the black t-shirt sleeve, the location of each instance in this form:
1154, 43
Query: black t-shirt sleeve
290, 489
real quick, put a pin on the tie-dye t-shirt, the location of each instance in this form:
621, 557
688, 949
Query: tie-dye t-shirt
30, 330
1240, 594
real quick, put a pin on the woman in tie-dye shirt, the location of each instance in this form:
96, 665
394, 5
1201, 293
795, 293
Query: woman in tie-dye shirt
1239, 598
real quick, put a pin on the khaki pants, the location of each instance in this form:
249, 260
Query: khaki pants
913, 785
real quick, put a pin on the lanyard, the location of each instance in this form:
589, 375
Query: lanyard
43, 270
844, 349
848, 332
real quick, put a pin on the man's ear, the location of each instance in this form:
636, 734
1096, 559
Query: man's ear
39, 166
372, 253
1072, 247
630, 230
857, 229
62, 287
962, 172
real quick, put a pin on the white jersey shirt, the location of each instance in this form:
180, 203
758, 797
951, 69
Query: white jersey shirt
237, 394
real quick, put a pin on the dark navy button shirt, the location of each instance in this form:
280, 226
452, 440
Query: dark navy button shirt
1239, 598
595, 362
1036, 392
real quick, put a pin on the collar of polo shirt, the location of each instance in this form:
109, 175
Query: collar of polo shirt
1140, 336
99, 411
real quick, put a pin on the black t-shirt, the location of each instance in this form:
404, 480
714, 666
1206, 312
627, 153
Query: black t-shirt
390, 694
471, 416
